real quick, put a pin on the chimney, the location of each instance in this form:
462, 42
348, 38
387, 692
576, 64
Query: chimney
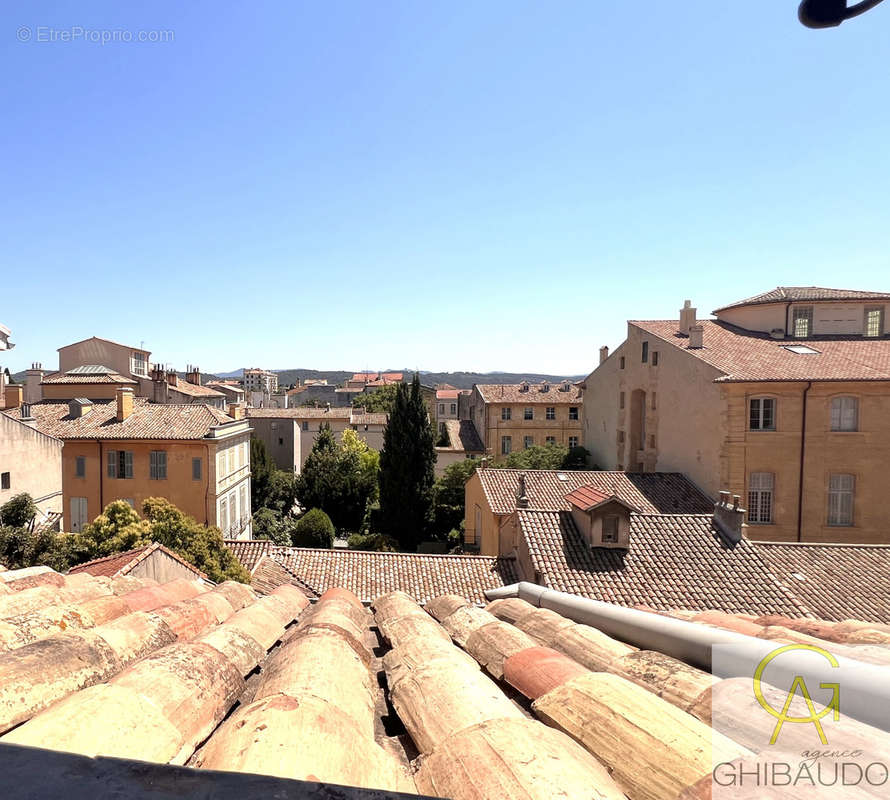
157, 372
729, 518
33, 391
124, 397
687, 317
696, 335
26, 418
235, 411
521, 496
604, 353
13, 396
79, 407
172, 377
193, 375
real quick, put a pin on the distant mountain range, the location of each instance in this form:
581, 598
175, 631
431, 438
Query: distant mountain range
462, 380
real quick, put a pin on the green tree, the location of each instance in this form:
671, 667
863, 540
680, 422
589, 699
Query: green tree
406, 468
268, 524
369, 460
339, 479
379, 401
576, 458
314, 529
372, 541
21, 547
18, 511
448, 495
549, 456
261, 470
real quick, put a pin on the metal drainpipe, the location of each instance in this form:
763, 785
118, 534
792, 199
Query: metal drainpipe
803, 435
866, 690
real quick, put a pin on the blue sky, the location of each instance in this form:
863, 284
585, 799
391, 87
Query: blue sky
494, 185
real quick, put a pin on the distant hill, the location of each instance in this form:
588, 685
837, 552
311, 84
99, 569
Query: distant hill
462, 380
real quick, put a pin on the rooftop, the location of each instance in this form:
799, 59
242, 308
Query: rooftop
807, 294
450, 700
107, 341
742, 355
89, 373
195, 390
119, 564
650, 492
531, 393
148, 421
462, 436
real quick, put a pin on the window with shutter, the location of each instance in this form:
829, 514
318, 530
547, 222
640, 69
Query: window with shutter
841, 488
760, 498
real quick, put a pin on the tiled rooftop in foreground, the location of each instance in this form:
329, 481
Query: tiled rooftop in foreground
445, 700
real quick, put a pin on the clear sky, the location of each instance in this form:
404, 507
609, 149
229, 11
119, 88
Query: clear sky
444, 186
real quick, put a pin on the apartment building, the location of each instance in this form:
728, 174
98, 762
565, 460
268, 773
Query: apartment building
447, 398
30, 461
782, 398
131, 362
289, 433
260, 380
517, 416
126, 448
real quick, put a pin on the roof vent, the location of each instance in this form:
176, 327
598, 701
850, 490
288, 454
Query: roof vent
79, 407
696, 337
777, 333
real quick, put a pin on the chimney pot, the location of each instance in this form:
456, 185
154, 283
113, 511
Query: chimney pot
687, 317
604, 353
729, 519
696, 337
124, 398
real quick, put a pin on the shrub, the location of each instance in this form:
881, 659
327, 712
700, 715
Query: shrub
372, 541
18, 511
313, 529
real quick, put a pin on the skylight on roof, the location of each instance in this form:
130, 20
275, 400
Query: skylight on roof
562, 476
801, 349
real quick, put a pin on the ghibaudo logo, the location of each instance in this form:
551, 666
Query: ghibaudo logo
841, 764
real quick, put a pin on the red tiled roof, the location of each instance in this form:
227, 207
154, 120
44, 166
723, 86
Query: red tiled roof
371, 574
378, 377
194, 390
58, 378
119, 564
650, 492
672, 561
110, 341
368, 419
743, 355
535, 394
807, 294
462, 436
148, 421
249, 551
447, 394
589, 497
302, 412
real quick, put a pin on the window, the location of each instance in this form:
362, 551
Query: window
157, 465
762, 414
129, 501
620, 437
645, 354
800, 349
621, 363
196, 469
223, 515
5, 482
550, 440
802, 321
245, 511
528, 441
573, 442
655, 358
874, 321
610, 529
441, 408
620, 399
80, 467
840, 499
760, 498
231, 458
573, 412
845, 414
528, 413
221, 465
654, 400
281, 441
120, 464
550, 412
506, 413
78, 513
453, 408
306, 426
506, 445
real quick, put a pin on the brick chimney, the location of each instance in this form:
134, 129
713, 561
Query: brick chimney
124, 397
696, 337
172, 377
13, 396
33, 390
193, 375
157, 372
729, 517
687, 317
604, 353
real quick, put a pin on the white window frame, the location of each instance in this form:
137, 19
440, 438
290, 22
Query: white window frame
528, 412
576, 441
845, 413
761, 494
550, 413
761, 400
506, 413
879, 328
802, 314
841, 498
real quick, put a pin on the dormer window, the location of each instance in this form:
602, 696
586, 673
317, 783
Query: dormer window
523, 387
564, 387
610, 529
545, 387
874, 321
802, 321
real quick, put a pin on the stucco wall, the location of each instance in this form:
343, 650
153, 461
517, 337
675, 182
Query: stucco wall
34, 463
162, 568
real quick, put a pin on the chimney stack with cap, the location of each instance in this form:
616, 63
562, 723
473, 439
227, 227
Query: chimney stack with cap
687, 317
696, 337
729, 517
193, 375
521, 496
604, 353
124, 397
172, 377
33, 390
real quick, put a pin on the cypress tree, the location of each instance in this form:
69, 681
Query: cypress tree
406, 468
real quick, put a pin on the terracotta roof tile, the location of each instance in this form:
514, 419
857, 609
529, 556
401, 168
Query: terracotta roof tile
742, 355
195, 390
535, 394
76, 377
249, 551
462, 436
651, 492
302, 412
123, 563
148, 421
807, 294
